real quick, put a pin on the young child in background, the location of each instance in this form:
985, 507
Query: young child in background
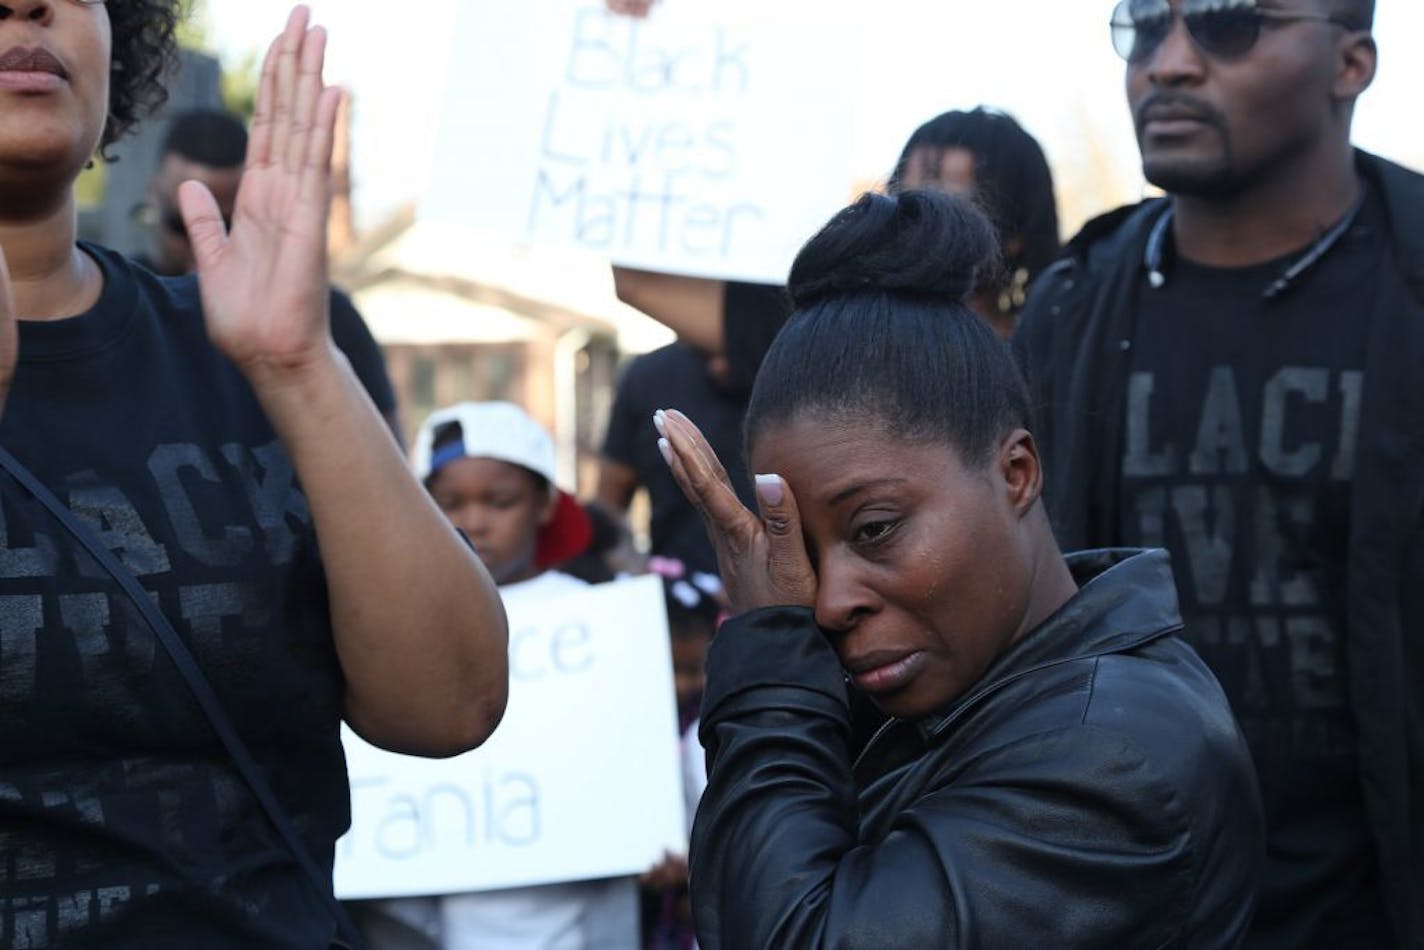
694, 608
490, 468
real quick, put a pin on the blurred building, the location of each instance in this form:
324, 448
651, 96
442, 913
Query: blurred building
468, 316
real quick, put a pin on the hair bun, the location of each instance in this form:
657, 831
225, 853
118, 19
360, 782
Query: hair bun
919, 243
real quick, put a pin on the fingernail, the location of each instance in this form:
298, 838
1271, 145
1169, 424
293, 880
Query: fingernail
660, 422
770, 490
666, 449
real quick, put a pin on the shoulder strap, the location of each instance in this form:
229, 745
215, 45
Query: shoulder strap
197, 683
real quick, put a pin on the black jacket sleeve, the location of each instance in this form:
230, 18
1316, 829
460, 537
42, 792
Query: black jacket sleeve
1062, 838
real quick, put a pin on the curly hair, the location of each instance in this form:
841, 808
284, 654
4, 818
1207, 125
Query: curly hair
144, 53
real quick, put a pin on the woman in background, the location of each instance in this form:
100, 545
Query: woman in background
983, 154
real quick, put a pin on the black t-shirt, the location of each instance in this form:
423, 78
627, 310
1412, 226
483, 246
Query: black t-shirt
752, 316
1239, 451
675, 377
122, 821
352, 337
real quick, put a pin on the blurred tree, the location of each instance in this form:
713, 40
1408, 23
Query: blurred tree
1094, 177
194, 28
89, 189
239, 86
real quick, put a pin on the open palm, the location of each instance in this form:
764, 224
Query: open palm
264, 285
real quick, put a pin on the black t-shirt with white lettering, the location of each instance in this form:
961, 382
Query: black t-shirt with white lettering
122, 821
676, 377
1238, 455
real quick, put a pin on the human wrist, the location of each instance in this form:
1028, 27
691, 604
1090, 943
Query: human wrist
302, 383
294, 373
776, 648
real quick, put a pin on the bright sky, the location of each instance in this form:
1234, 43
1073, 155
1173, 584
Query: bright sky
1048, 62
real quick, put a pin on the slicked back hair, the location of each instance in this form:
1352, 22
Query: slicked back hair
882, 330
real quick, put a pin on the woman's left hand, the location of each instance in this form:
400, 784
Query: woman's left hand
264, 286
763, 560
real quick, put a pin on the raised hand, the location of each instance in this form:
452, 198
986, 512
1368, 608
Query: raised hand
264, 286
763, 560
9, 334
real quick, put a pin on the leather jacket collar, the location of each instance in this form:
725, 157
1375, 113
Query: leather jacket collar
1126, 598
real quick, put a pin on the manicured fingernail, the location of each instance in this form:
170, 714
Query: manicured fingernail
769, 489
665, 448
660, 422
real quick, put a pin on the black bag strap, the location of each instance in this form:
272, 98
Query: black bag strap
198, 684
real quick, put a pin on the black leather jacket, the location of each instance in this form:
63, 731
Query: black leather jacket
1091, 790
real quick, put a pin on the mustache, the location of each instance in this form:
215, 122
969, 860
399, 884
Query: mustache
35, 59
1176, 105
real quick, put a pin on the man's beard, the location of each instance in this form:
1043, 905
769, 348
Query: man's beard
1202, 176
1206, 179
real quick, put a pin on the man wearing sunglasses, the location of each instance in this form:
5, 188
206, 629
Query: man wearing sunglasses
1233, 372
210, 146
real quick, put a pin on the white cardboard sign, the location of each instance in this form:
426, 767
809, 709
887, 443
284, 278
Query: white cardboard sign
711, 139
581, 780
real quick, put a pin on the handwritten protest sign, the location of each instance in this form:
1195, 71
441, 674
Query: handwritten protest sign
708, 139
580, 781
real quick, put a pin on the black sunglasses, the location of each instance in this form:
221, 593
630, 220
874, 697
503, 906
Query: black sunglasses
1223, 30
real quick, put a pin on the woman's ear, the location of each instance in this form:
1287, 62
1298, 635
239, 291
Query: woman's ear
1019, 468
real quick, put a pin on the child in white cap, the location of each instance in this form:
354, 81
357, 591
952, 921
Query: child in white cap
490, 467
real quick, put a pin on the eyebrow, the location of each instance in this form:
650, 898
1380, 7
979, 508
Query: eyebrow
851, 491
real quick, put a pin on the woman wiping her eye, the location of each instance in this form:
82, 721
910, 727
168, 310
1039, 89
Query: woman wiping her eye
1049, 766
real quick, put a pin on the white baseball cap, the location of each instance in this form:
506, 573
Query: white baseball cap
506, 433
